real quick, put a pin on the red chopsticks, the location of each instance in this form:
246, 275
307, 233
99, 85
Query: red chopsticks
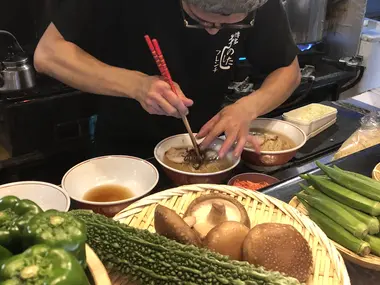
161, 64
160, 61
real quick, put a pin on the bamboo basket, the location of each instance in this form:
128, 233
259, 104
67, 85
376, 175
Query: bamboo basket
371, 261
96, 267
328, 264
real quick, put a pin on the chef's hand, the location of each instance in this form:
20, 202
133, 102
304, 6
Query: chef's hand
233, 121
156, 97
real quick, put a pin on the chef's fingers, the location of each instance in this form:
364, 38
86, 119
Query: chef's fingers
241, 141
216, 131
229, 141
255, 144
186, 101
158, 110
175, 101
168, 108
208, 127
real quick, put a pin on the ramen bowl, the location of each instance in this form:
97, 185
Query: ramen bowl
137, 175
180, 177
274, 158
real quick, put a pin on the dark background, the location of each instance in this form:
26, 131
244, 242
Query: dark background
27, 19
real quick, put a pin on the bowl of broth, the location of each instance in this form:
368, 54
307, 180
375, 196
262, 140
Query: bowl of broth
108, 184
279, 142
178, 160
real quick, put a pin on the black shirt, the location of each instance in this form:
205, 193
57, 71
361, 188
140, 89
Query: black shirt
202, 64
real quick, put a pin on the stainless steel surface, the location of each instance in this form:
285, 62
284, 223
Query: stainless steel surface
345, 22
16, 73
307, 19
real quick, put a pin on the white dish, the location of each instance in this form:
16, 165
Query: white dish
138, 175
321, 129
46, 195
329, 114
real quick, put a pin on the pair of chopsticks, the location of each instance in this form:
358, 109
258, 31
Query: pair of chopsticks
161, 64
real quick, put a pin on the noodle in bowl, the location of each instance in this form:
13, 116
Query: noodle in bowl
184, 177
275, 157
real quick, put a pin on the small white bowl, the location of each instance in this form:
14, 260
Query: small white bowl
47, 196
138, 175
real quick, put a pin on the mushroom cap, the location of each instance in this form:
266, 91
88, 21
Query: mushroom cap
169, 224
227, 239
213, 209
279, 247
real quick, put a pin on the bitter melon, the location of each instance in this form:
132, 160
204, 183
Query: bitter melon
148, 258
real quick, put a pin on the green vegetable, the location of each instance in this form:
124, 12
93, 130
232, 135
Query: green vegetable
14, 216
372, 223
58, 229
336, 232
344, 218
343, 195
375, 244
361, 186
4, 253
153, 259
42, 264
360, 176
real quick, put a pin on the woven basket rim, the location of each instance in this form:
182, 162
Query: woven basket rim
303, 220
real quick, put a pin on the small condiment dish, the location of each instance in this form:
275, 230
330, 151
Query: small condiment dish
253, 177
136, 174
47, 196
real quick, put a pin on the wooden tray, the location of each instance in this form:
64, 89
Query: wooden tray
97, 269
371, 261
329, 267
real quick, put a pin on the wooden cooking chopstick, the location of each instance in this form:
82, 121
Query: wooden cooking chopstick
161, 64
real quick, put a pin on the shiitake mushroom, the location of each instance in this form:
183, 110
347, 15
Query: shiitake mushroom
279, 247
169, 224
227, 239
213, 209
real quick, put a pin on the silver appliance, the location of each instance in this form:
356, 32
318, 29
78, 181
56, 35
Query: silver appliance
307, 19
16, 73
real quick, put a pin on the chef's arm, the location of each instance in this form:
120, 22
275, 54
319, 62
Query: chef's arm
73, 66
276, 89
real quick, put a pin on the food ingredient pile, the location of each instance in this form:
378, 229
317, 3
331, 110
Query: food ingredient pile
346, 206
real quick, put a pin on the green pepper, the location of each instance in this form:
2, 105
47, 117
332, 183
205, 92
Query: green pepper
14, 216
58, 229
42, 264
4, 253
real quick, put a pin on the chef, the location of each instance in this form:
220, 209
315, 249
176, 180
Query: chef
98, 46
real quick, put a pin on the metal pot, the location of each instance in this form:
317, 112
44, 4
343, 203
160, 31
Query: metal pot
15, 71
307, 19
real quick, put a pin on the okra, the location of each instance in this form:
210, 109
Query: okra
360, 186
344, 195
361, 176
374, 243
372, 223
337, 233
337, 213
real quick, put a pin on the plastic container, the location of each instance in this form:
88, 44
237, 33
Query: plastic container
312, 118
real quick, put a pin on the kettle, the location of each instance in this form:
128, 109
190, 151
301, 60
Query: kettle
16, 73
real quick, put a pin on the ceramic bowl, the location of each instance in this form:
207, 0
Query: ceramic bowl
184, 178
274, 158
138, 175
45, 195
254, 177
